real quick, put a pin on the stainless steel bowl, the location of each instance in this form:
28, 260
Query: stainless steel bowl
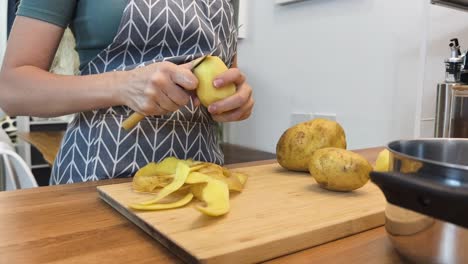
427, 191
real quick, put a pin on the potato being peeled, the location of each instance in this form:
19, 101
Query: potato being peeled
206, 72
338, 169
298, 143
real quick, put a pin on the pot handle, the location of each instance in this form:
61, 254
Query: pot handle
426, 195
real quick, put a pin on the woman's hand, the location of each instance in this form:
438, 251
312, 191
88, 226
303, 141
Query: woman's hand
236, 107
159, 88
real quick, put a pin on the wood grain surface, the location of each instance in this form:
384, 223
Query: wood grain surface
279, 212
70, 224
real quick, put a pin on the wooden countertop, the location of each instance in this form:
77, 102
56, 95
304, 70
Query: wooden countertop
69, 223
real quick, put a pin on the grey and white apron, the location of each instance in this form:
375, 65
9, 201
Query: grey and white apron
95, 146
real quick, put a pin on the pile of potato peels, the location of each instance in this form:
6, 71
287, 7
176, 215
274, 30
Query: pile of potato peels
207, 182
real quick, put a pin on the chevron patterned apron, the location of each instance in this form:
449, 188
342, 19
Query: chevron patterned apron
95, 146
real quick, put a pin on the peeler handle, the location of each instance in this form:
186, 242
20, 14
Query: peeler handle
132, 121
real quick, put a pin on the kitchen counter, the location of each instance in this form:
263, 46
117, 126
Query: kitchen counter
70, 223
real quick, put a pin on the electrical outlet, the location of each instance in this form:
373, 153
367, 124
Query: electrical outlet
329, 116
297, 118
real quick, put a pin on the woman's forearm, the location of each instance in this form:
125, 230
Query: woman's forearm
28, 90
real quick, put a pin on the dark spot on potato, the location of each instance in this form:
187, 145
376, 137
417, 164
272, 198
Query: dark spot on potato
300, 136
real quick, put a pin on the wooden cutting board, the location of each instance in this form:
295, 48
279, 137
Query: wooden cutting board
279, 212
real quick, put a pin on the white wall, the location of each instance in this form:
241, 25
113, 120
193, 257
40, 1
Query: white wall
444, 24
360, 59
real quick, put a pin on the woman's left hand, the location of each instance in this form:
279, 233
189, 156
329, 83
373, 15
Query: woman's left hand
236, 107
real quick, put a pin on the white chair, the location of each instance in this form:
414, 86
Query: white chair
15, 173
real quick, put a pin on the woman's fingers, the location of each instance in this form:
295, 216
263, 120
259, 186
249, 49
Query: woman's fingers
241, 97
236, 107
160, 97
238, 114
167, 103
232, 75
161, 88
152, 108
170, 81
178, 95
244, 92
183, 76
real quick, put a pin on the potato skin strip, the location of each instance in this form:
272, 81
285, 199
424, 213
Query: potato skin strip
182, 171
153, 207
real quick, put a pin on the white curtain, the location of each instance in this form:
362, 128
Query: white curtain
3, 27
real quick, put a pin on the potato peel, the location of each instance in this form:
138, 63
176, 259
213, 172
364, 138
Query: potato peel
216, 196
151, 183
241, 176
152, 207
182, 172
197, 177
208, 182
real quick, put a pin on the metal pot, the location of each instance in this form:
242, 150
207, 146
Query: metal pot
427, 191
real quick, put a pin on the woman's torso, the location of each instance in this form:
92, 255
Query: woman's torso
94, 23
95, 146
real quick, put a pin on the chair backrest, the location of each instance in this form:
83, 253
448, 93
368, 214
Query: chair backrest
4, 136
16, 173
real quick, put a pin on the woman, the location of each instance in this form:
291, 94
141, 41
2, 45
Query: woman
134, 56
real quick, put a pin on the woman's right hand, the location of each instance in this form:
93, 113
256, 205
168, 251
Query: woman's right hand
159, 88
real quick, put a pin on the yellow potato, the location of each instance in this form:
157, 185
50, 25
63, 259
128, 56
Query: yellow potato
382, 163
298, 143
206, 72
339, 169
